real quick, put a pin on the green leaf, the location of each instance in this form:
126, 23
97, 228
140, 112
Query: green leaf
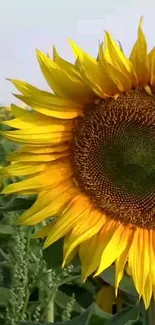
1, 315
6, 230
53, 255
7, 146
17, 204
128, 299
127, 314
97, 316
4, 296
92, 316
62, 299
126, 283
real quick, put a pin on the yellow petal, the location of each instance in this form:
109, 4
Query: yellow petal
63, 63
28, 90
116, 245
99, 243
18, 111
85, 229
44, 150
122, 259
73, 253
46, 198
78, 209
71, 256
116, 78
63, 82
53, 111
39, 136
90, 245
139, 261
118, 60
44, 102
54, 126
121, 82
151, 58
44, 97
93, 73
56, 173
139, 58
147, 291
152, 254
38, 150
53, 207
25, 157
34, 119
18, 169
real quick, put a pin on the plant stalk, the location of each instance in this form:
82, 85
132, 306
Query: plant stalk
149, 314
50, 305
50, 311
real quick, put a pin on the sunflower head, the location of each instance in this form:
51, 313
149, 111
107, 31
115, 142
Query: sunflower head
113, 154
87, 152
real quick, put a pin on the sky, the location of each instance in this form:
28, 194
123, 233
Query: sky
26, 25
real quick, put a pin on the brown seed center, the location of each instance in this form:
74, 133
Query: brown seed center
113, 155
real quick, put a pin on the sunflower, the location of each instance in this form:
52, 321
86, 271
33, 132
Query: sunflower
88, 153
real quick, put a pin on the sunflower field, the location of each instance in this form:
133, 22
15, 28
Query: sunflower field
77, 202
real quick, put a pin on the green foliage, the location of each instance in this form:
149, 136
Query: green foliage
4, 296
6, 230
53, 255
129, 313
16, 204
92, 316
126, 284
95, 316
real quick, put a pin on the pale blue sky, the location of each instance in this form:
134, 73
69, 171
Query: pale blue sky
29, 24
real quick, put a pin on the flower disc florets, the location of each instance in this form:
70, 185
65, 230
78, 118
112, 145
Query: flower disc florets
114, 157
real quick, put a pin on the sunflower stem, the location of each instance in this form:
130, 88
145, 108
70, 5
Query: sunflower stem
149, 314
50, 311
50, 304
